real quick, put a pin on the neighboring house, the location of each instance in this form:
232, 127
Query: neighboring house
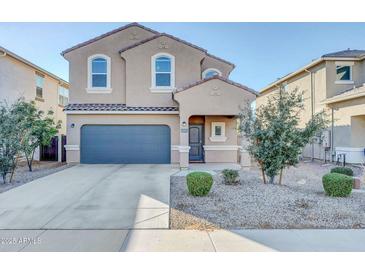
139, 96
334, 83
21, 78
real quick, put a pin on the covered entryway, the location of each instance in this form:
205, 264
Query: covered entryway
125, 144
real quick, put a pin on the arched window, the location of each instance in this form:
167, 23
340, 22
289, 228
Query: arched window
99, 73
163, 71
210, 72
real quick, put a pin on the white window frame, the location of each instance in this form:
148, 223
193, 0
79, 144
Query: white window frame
36, 85
204, 73
68, 97
344, 64
162, 89
215, 138
90, 88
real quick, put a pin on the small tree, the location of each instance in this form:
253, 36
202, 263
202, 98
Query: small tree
9, 141
273, 133
36, 127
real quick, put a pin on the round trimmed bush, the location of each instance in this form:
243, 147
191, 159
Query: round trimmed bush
343, 170
199, 183
230, 176
337, 185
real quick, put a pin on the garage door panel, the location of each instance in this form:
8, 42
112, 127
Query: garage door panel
125, 144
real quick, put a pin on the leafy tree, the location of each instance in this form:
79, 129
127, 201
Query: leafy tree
273, 133
9, 141
37, 128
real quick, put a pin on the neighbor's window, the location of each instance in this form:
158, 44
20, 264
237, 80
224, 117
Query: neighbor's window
218, 132
62, 96
163, 71
99, 72
39, 79
209, 73
343, 73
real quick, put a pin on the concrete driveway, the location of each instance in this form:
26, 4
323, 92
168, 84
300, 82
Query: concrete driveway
91, 197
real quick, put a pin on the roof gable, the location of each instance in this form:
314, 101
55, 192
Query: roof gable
228, 81
107, 34
162, 35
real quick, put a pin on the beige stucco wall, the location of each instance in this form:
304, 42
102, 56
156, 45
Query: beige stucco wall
73, 134
358, 77
109, 46
19, 80
212, 98
187, 70
345, 114
358, 131
210, 62
131, 70
220, 156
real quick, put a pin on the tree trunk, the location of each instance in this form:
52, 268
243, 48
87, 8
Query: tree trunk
28, 162
263, 174
281, 176
271, 180
4, 176
13, 170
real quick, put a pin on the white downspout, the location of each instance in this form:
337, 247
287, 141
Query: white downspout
312, 105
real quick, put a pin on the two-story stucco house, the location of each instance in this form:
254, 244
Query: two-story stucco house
140, 96
334, 83
19, 78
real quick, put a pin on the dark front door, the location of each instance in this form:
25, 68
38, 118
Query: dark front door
196, 143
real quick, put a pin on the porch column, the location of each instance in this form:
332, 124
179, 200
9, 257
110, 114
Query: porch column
245, 160
184, 141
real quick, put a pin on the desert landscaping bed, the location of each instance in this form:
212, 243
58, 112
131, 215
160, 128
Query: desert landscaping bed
22, 175
299, 203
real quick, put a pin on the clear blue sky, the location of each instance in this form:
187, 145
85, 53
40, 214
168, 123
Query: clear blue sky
262, 52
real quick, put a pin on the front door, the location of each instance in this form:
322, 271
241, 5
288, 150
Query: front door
196, 143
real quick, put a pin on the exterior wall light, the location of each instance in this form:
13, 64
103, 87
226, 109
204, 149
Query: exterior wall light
72, 125
183, 124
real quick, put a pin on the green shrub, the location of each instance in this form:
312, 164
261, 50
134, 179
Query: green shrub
343, 170
337, 185
199, 183
231, 176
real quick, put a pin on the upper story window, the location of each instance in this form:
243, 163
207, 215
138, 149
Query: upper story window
62, 96
39, 79
163, 72
210, 72
344, 72
99, 73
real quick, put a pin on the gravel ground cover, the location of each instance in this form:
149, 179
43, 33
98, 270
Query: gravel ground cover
22, 175
299, 203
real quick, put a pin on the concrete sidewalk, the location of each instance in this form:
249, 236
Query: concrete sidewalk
183, 240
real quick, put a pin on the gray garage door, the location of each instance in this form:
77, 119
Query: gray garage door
125, 144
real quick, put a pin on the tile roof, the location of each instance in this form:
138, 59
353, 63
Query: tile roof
349, 53
107, 34
228, 81
355, 92
114, 107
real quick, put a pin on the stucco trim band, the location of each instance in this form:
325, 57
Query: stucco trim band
180, 148
72, 147
223, 147
120, 112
